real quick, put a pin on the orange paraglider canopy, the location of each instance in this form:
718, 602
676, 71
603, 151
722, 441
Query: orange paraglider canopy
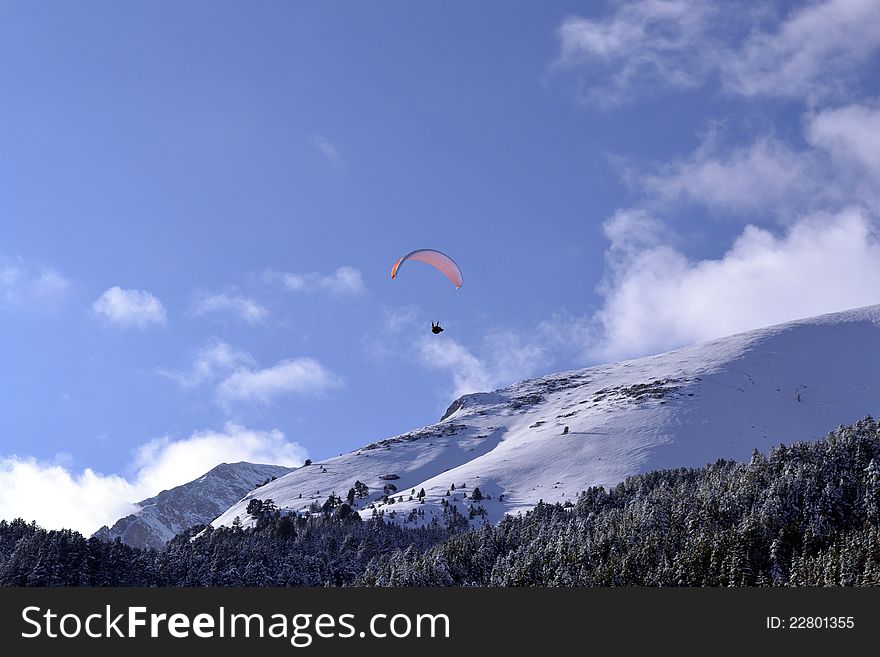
436, 259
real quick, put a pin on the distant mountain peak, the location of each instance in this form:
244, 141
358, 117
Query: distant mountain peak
163, 516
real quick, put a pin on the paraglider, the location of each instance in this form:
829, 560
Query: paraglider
436, 259
439, 261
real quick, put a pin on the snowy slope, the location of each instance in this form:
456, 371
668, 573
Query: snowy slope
161, 517
687, 407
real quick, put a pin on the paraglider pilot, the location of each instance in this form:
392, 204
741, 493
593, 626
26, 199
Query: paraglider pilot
436, 328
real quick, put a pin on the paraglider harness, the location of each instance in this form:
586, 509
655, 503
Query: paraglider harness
436, 328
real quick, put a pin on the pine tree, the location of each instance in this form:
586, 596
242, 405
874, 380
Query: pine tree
872, 491
361, 489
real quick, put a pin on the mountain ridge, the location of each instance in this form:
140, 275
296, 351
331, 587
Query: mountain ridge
549, 437
161, 517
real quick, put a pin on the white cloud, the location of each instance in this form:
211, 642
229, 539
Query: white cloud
826, 187
631, 232
57, 497
129, 308
839, 165
301, 376
246, 309
765, 176
345, 280
164, 463
327, 148
23, 286
851, 134
469, 373
505, 357
211, 361
657, 299
501, 357
240, 381
813, 52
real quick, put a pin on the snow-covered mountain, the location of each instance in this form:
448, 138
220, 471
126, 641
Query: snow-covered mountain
551, 437
161, 517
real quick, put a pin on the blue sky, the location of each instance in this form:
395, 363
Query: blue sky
200, 204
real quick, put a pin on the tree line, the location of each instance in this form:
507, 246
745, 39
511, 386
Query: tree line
807, 514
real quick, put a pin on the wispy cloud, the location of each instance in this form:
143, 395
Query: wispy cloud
327, 148
503, 358
836, 164
239, 305
643, 45
497, 358
56, 496
766, 176
129, 308
851, 134
25, 286
813, 52
345, 280
210, 363
382, 342
300, 376
398, 319
236, 378
469, 373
